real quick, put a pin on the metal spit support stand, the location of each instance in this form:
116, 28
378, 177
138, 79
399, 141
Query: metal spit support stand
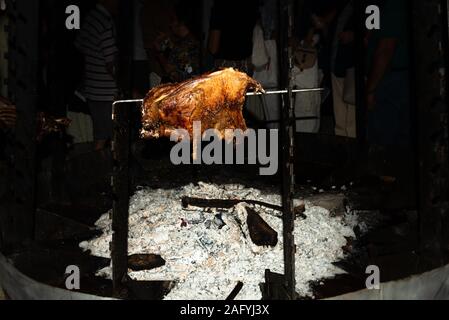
120, 194
288, 151
120, 183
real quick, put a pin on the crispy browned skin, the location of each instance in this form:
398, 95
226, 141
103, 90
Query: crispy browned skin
216, 99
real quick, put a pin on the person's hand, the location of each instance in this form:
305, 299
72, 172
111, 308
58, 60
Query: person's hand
346, 37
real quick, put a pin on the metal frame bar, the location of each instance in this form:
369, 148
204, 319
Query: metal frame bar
249, 94
287, 148
430, 102
120, 193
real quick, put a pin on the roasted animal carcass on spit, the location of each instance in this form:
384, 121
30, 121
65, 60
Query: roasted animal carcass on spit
215, 99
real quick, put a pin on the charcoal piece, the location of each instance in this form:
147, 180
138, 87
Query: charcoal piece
141, 262
260, 232
206, 242
299, 211
235, 292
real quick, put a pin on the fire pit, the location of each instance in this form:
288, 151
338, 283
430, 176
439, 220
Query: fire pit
209, 251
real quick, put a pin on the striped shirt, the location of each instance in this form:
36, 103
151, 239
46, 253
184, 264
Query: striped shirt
8, 115
98, 44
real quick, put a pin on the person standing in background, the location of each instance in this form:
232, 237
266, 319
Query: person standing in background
97, 42
342, 62
388, 91
269, 18
231, 33
161, 13
389, 126
178, 53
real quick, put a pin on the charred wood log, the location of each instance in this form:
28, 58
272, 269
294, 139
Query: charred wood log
228, 204
260, 232
141, 262
235, 292
223, 204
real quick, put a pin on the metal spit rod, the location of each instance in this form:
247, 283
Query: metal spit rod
269, 92
127, 101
